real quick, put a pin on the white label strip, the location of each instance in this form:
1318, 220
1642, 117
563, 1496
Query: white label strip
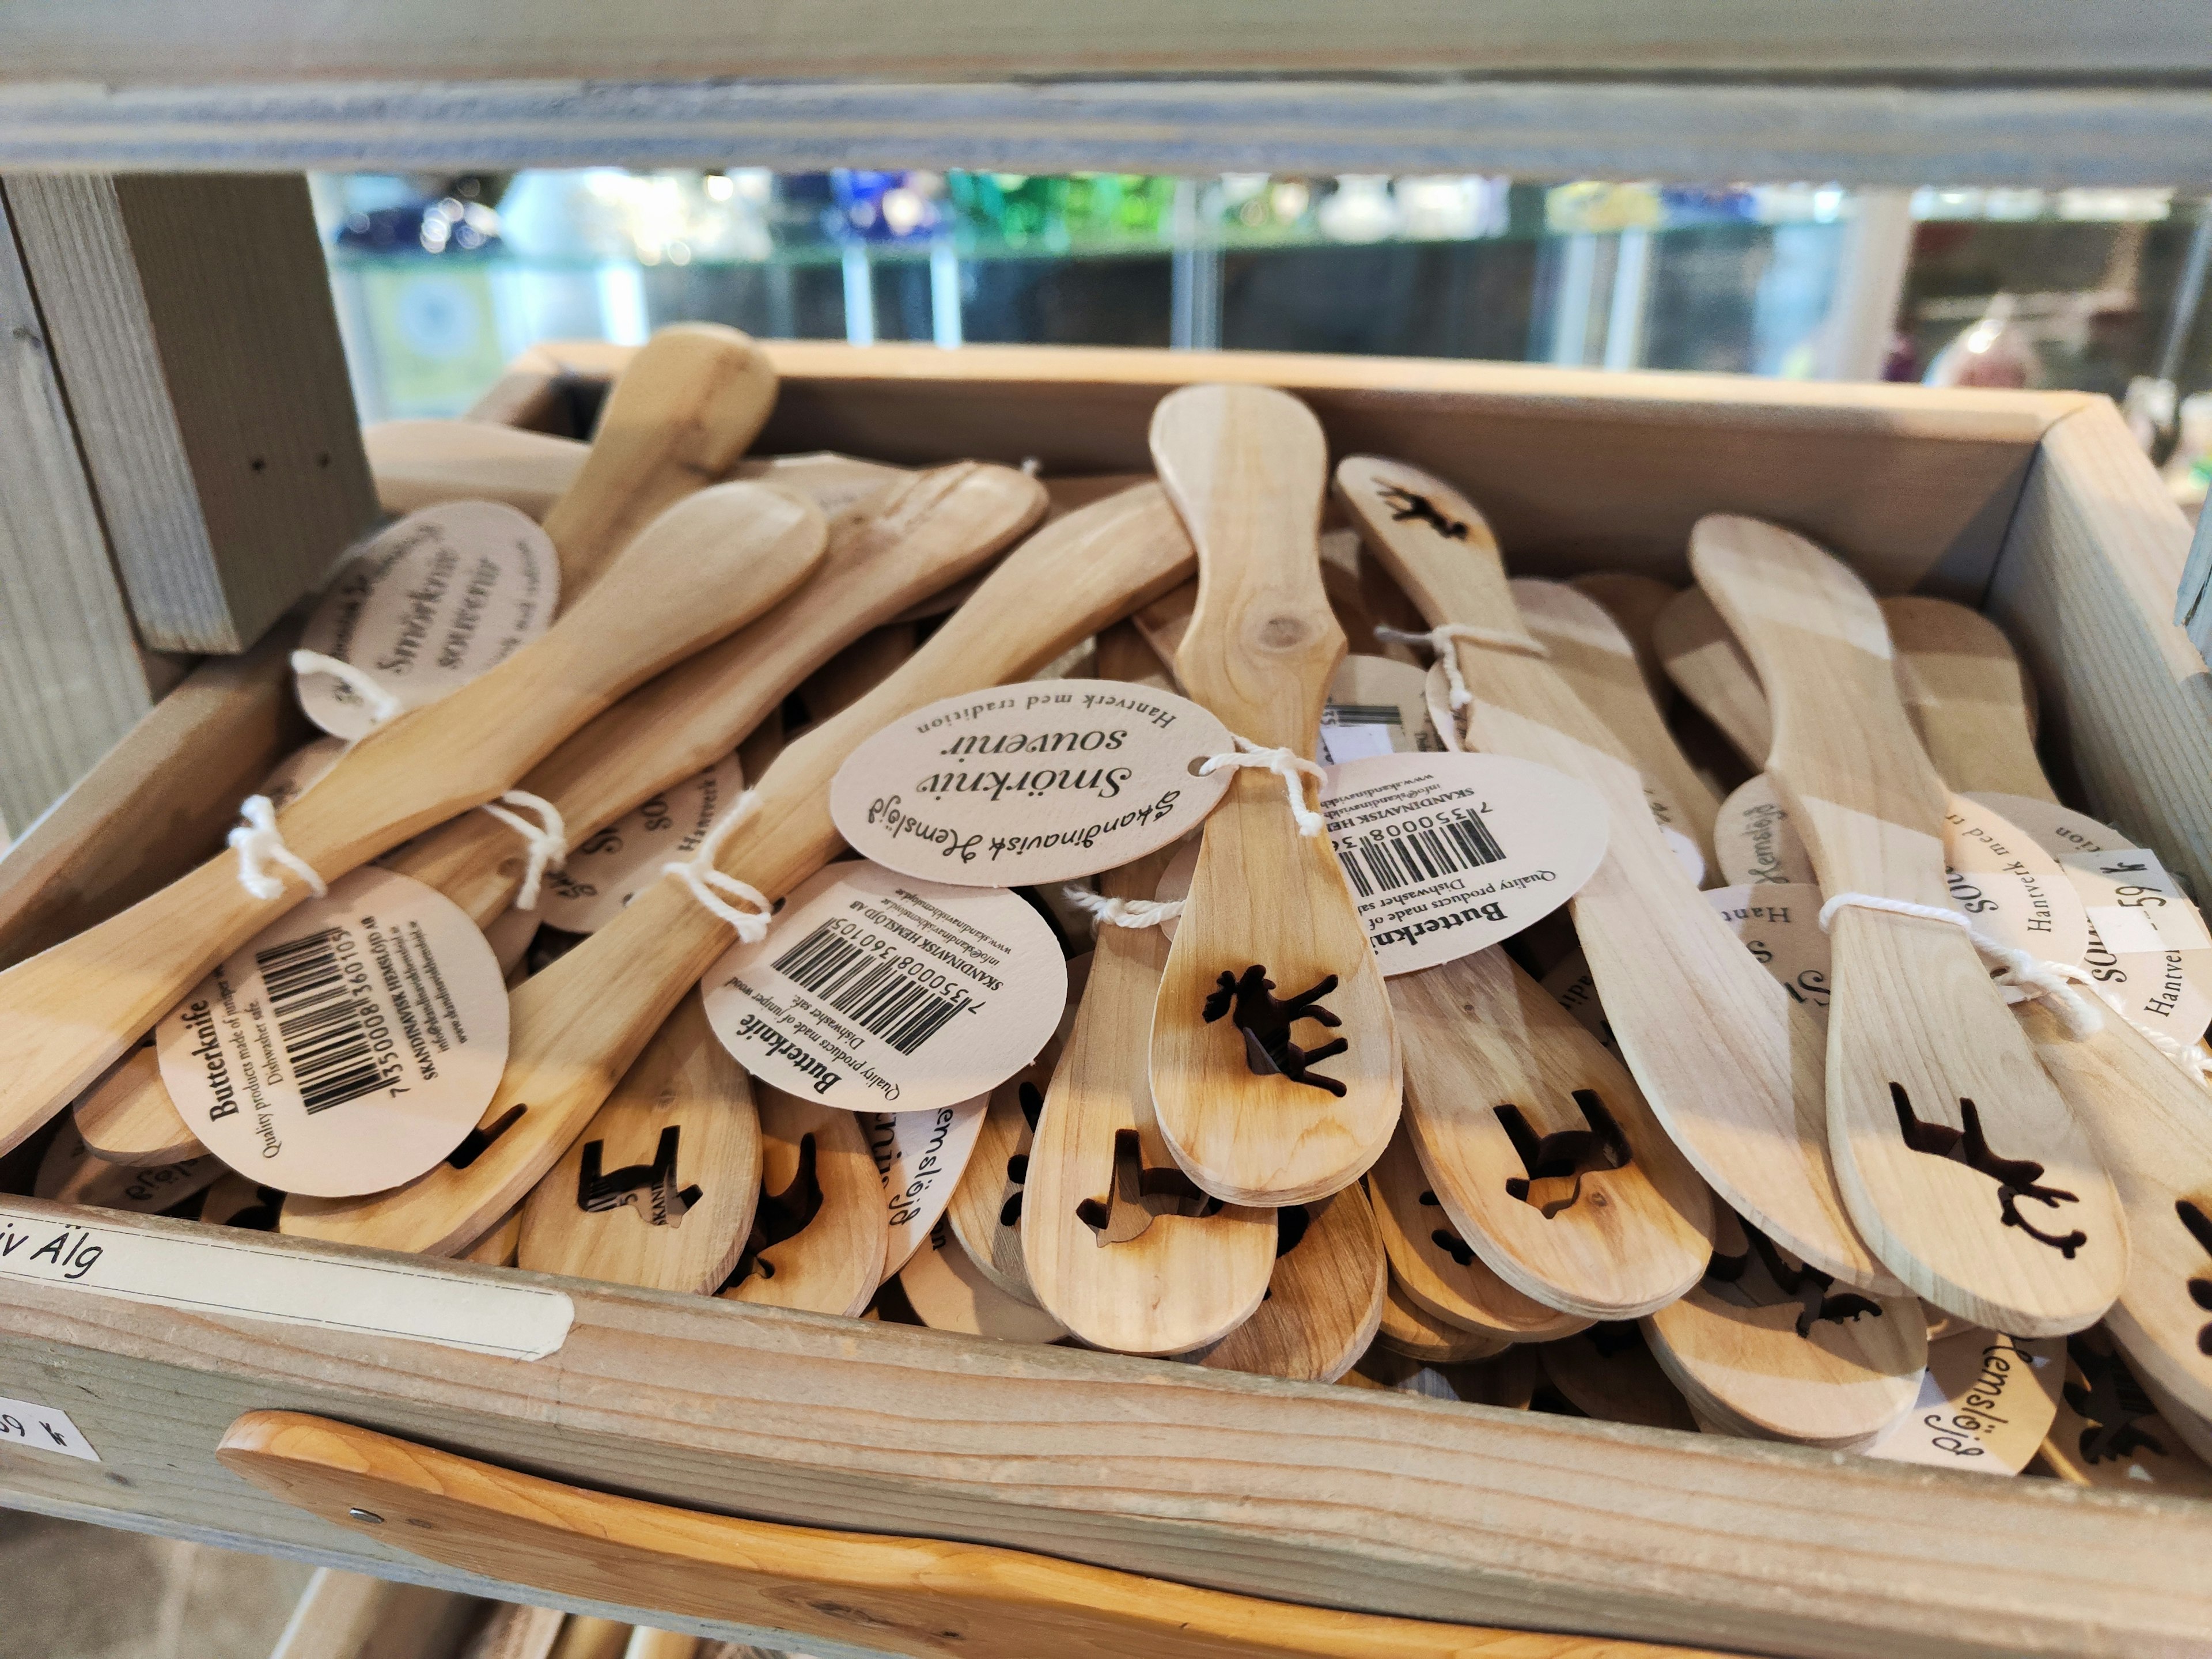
2124, 928
223, 1274
26, 1422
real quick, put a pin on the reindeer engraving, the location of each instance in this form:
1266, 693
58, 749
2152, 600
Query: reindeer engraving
1565, 1156
2015, 1176
650, 1186
781, 1215
2200, 1289
1406, 506
2109, 1400
1266, 1023
1139, 1192
1018, 1164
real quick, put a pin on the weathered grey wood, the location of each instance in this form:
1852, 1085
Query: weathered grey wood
1865, 132
72, 678
191, 323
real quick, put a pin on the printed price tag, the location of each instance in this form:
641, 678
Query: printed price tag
43, 1428
608, 870
1779, 923
2151, 949
1985, 1403
920, 1157
1446, 855
433, 601
1753, 842
2009, 886
1377, 706
352, 1044
1024, 785
874, 991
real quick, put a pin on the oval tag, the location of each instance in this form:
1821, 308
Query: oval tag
1753, 840
433, 601
609, 868
350, 1045
1023, 785
2010, 886
1779, 923
876, 992
920, 1157
1447, 854
1985, 1403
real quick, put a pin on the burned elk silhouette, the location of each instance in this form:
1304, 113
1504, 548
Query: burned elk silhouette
1405, 506
1140, 1191
2016, 1177
1447, 1237
2108, 1400
780, 1215
2200, 1288
1266, 1023
651, 1187
1807, 1284
1018, 1164
1563, 1155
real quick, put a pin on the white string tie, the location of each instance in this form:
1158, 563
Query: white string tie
1287, 764
1441, 640
548, 840
1123, 913
2024, 977
380, 703
259, 845
713, 889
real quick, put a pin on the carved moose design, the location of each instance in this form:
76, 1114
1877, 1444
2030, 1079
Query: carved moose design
2108, 1399
2016, 1177
1405, 506
1565, 1156
1266, 1023
650, 1186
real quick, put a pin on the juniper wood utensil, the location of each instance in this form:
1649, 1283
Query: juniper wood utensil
1607, 1372
946, 1290
710, 563
1707, 666
1726, 1065
817, 1234
419, 464
1242, 1103
1634, 602
1967, 694
1324, 1301
1539, 1146
659, 1190
1598, 662
576, 1027
126, 1117
1412, 1331
1960, 1162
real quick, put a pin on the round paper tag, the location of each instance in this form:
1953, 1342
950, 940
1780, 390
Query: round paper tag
875, 991
607, 871
1377, 706
1779, 923
1023, 785
1446, 855
353, 1043
2148, 944
433, 602
920, 1157
2010, 886
1753, 840
2058, 831
1985, 1403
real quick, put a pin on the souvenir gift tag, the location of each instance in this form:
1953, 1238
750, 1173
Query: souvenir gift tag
70, 1174
2153, 934
433, 602
1447, 854
2056, 829
351, 1045
1779, 922
607, 870
920, 1157
874, 991
2010, 886
1985, 1404
1377, 706
1753, 840
1024, 785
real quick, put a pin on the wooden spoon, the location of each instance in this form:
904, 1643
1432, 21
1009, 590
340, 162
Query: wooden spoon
1960, 1161
1598, 662
817, 1240
1967, 694
947, 1290
1411, 1330
1434, 1266
576, 1027
1707, 666
1728, 1066
708, 565
1540, 1148
419, 464
1324, 1301
1268, 910
1634, 602
659, 1190
127, 1117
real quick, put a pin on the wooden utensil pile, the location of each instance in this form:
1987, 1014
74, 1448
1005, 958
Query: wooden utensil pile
1615, 1167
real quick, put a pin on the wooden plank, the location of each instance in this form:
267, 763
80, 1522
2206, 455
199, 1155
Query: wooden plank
128, 42
1889, 131
2086, 589
346, 1616
1359, 1500
190, 321
72, 679
159, 801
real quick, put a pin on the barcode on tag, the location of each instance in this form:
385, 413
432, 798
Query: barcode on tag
1361, 713
868, 988
320, 1019
1400, 855
42, 1428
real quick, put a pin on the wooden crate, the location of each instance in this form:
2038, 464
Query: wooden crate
2033, 505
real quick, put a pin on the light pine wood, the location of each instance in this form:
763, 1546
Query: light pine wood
1164, 622
1411, 1330
987, 1206
1707, 666
127, 1117
649, 1232
2107, 1430
931, 532
1634, 602
70, 1174
1913, 1009
1966, 696
500, 1246
513, 1632
713, 562
948, 1291
208, 386
1733, 1349
904, 1596
645, 1642
1608, 1373
1420, 1239
1589, 650
422, 463
1247, 469
1607, 1244
833, 1264
1729, 1066
348, 1615
155, 804
1324, 1301
576, 1027
584, 1638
